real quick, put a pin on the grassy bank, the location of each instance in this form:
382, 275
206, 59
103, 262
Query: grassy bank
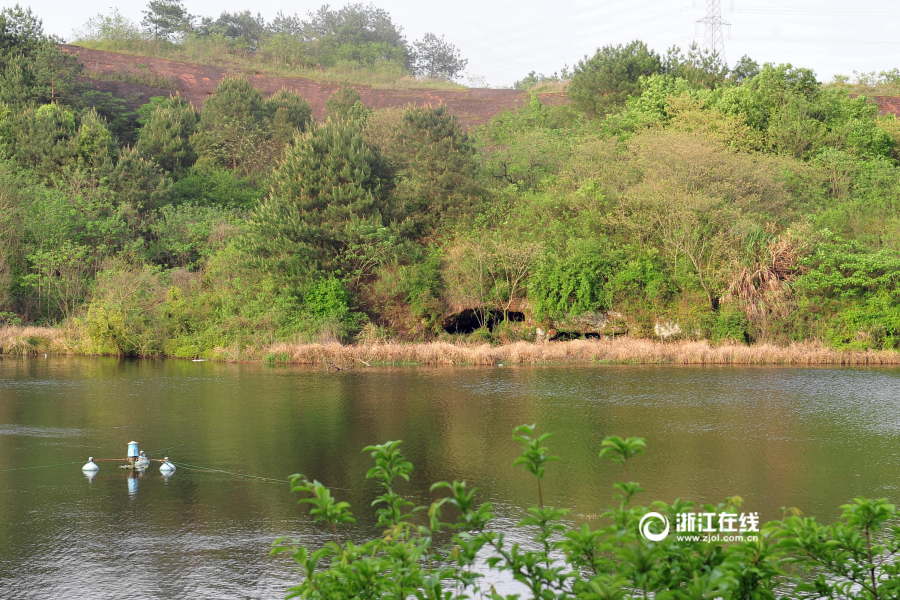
17, 341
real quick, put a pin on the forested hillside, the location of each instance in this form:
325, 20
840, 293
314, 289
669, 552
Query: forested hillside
672, 198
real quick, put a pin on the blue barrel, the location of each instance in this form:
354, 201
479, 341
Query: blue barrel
132, 450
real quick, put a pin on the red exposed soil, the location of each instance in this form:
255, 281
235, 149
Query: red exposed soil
196, 82
887, 105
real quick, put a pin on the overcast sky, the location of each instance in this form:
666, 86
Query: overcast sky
505, 39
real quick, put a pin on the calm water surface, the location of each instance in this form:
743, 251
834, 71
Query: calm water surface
810, 438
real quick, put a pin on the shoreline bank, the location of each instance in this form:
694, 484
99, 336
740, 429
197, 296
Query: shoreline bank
31, 341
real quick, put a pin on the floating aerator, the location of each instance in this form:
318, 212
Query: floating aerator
136, 460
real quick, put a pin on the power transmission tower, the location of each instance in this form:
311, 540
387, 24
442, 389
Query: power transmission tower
714, 39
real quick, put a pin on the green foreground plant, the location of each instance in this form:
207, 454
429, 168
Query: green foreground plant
423, 554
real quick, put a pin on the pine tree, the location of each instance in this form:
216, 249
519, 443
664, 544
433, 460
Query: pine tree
234, 129
289, 115
602, 83
345, 103
234, 98
42, 138
433, 160
325, 192
138, 184
95, 146
166, 20
33, 70
165, 135
436, 58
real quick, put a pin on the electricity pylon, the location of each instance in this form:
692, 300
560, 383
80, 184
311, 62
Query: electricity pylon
714, 38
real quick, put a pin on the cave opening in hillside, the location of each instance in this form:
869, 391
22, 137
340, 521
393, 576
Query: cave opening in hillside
469, 320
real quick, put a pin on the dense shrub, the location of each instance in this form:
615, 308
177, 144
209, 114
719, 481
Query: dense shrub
575, 282
216, 187
729, 324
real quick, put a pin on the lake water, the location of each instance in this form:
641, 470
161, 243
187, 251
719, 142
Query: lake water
800, 437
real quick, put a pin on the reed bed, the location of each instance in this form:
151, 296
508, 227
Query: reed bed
24, 340
615, 351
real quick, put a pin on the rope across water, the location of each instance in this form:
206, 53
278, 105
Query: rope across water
266, 479
210, 469
39, 467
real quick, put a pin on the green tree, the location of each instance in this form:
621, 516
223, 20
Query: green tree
120, 120
61, 276
67, 230
434, 165
345, 103
436, 58
114, 27
138, 183
356, 33
166, 20
842, 268
694, 199
241, 28
21, 31
13, 202
777, 83
573, 281
166, 132
325, 194
234, 127
745, 68
41, 138
290, 114
701, 67
95, 147
33, 70
602, 83
234, 99
526, 147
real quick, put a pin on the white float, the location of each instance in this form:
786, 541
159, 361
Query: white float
166, 466
91, 465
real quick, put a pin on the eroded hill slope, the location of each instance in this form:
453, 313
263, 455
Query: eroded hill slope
196, 82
